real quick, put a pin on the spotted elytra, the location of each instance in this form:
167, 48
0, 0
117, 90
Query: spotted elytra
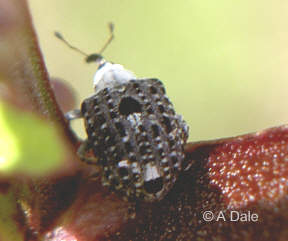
133, 131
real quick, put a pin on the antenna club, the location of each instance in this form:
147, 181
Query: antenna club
58, 35
111, 27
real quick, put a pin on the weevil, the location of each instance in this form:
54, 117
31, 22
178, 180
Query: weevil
135, 135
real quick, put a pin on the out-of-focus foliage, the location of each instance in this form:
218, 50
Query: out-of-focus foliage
28, 144
8, 213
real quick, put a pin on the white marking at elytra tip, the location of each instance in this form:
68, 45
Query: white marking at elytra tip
110, 75
151, 172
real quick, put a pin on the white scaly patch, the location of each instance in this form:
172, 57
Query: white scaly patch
151, 172
109, 75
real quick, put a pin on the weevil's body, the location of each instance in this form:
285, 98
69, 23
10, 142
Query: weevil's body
136, 136
134, 131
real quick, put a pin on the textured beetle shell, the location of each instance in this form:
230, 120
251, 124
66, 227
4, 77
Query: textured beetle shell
137, 137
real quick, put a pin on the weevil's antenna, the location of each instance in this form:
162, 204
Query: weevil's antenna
60, 36
111, 37
96, 57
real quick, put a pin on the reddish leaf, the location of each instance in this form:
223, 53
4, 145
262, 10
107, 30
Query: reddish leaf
217, 181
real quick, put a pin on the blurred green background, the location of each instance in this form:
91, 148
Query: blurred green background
224, 63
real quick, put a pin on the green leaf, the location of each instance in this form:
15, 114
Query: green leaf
9, 230
28, 144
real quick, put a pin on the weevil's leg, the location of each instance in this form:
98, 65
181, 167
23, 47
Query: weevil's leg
184, 127
73, 114
184, 136
95, 174
82, 153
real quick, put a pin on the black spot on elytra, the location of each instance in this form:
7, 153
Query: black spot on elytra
154, 186
129, 105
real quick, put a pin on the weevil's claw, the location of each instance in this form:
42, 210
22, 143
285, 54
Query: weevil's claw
73, 114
